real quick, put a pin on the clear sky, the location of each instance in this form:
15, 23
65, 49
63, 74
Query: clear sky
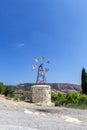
56, 29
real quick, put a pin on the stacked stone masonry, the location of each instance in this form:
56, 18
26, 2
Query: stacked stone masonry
41, 94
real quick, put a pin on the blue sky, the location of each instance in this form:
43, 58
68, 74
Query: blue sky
56, 29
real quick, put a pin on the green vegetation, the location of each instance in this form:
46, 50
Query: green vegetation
23, 96
84, 81
6, 90
74, 100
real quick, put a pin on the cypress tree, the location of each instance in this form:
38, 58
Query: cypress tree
84, 81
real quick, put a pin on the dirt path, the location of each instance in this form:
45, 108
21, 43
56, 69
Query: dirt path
28, 116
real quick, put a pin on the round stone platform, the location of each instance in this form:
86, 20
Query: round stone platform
41, 94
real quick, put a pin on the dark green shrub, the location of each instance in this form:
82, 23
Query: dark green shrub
6, 90
58, 97
72, 97
72, 100
61, 98
82, 98
54, 97
2, 88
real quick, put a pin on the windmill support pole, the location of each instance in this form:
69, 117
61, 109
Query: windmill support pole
41, 75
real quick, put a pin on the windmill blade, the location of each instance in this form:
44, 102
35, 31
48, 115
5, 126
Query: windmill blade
36, 59
34, 67
48, 62
42, 57
46, 69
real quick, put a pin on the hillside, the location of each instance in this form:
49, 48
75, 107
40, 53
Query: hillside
62, 87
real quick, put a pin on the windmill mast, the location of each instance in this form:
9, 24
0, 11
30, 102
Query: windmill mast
41, 75
41, 79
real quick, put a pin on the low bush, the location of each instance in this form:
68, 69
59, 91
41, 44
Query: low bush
6, 90
82, 98
77, 105
73, 99
2, 88
54, 97
58, 97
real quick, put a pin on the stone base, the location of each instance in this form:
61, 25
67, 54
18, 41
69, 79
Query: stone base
41, 94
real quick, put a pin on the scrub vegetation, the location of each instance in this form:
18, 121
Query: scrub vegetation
6, 90
74, 100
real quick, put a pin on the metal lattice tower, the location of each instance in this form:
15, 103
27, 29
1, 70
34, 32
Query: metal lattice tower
41, 70
41, 75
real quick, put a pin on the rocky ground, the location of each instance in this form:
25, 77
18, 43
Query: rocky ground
26, 116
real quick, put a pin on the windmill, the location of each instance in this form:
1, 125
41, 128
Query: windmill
41, 70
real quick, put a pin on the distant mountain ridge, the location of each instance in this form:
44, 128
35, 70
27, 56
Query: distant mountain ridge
55, 87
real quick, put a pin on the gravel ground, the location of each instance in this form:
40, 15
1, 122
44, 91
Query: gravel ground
26, 116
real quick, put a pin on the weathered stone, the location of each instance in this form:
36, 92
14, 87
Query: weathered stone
41, 94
